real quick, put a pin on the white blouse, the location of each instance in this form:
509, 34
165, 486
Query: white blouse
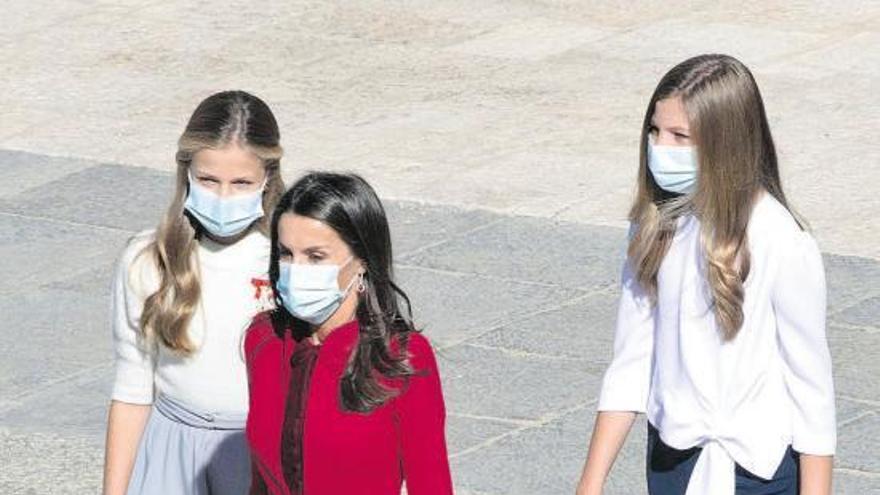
234, 288
743, 401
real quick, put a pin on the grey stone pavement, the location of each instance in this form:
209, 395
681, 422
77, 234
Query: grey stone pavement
520, 308
502, 136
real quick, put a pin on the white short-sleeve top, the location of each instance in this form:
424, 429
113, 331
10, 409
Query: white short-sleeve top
234, 288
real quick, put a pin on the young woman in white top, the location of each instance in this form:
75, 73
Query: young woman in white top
720, 335
182, 297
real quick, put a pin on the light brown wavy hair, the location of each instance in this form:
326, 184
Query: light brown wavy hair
737, 161
223, 119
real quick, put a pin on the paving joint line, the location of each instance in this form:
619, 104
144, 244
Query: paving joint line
454, 237
863, 414
66, 222
542, 421
50, 385
524, 354
480, 417
861, 473
856, 328
501, 323
444, 271
858, 400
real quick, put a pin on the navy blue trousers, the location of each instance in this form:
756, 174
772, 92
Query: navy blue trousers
669, 471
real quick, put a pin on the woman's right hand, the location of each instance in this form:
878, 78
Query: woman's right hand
125, 425
609, 433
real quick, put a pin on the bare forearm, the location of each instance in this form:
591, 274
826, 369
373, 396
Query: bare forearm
815, 474
125, 425
609, 433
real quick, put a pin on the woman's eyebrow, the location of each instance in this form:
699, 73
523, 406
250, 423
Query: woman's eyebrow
314, 249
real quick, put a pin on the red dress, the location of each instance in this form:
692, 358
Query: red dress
342, 452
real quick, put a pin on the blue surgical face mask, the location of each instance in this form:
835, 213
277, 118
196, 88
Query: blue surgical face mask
224, 217
674, 167
311, 292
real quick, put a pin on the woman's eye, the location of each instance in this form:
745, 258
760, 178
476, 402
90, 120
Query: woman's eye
315, 258
682, 136
208, 180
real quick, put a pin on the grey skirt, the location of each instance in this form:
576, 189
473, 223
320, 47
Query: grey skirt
185, 452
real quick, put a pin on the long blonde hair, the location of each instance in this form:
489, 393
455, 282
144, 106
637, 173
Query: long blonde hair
737, 161
229, 117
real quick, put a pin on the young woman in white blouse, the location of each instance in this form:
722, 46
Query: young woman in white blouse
720, 335
182, 297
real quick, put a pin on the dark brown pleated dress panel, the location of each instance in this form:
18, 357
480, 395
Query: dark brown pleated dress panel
302, 363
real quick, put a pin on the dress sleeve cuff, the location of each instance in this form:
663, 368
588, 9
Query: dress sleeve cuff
609, 401
815, 444
132, 396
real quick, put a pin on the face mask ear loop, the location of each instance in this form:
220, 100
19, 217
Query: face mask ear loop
190, 180
357, 278
350, 284
353, 279
265, 182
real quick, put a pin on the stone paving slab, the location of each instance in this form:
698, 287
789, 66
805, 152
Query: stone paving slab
493, 383
854, 355
455, 306
521, 349
466, 433
99, 196
541, 251
38, 463
855, 279
559, 333
74, 406
856, 453
50, 335
31, 247
420, 226
515, 106
864, 313
534, 450
25, 170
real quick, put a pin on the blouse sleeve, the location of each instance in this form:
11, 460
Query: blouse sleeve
135, 358
799, 304
421, 417
627, 381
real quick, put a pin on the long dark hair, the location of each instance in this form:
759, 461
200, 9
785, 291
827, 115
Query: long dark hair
348, 205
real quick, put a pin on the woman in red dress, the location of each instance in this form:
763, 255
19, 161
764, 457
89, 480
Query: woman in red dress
344, 393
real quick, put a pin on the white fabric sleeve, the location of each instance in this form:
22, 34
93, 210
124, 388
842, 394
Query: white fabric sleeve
135, 358
799, 303
627, 381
